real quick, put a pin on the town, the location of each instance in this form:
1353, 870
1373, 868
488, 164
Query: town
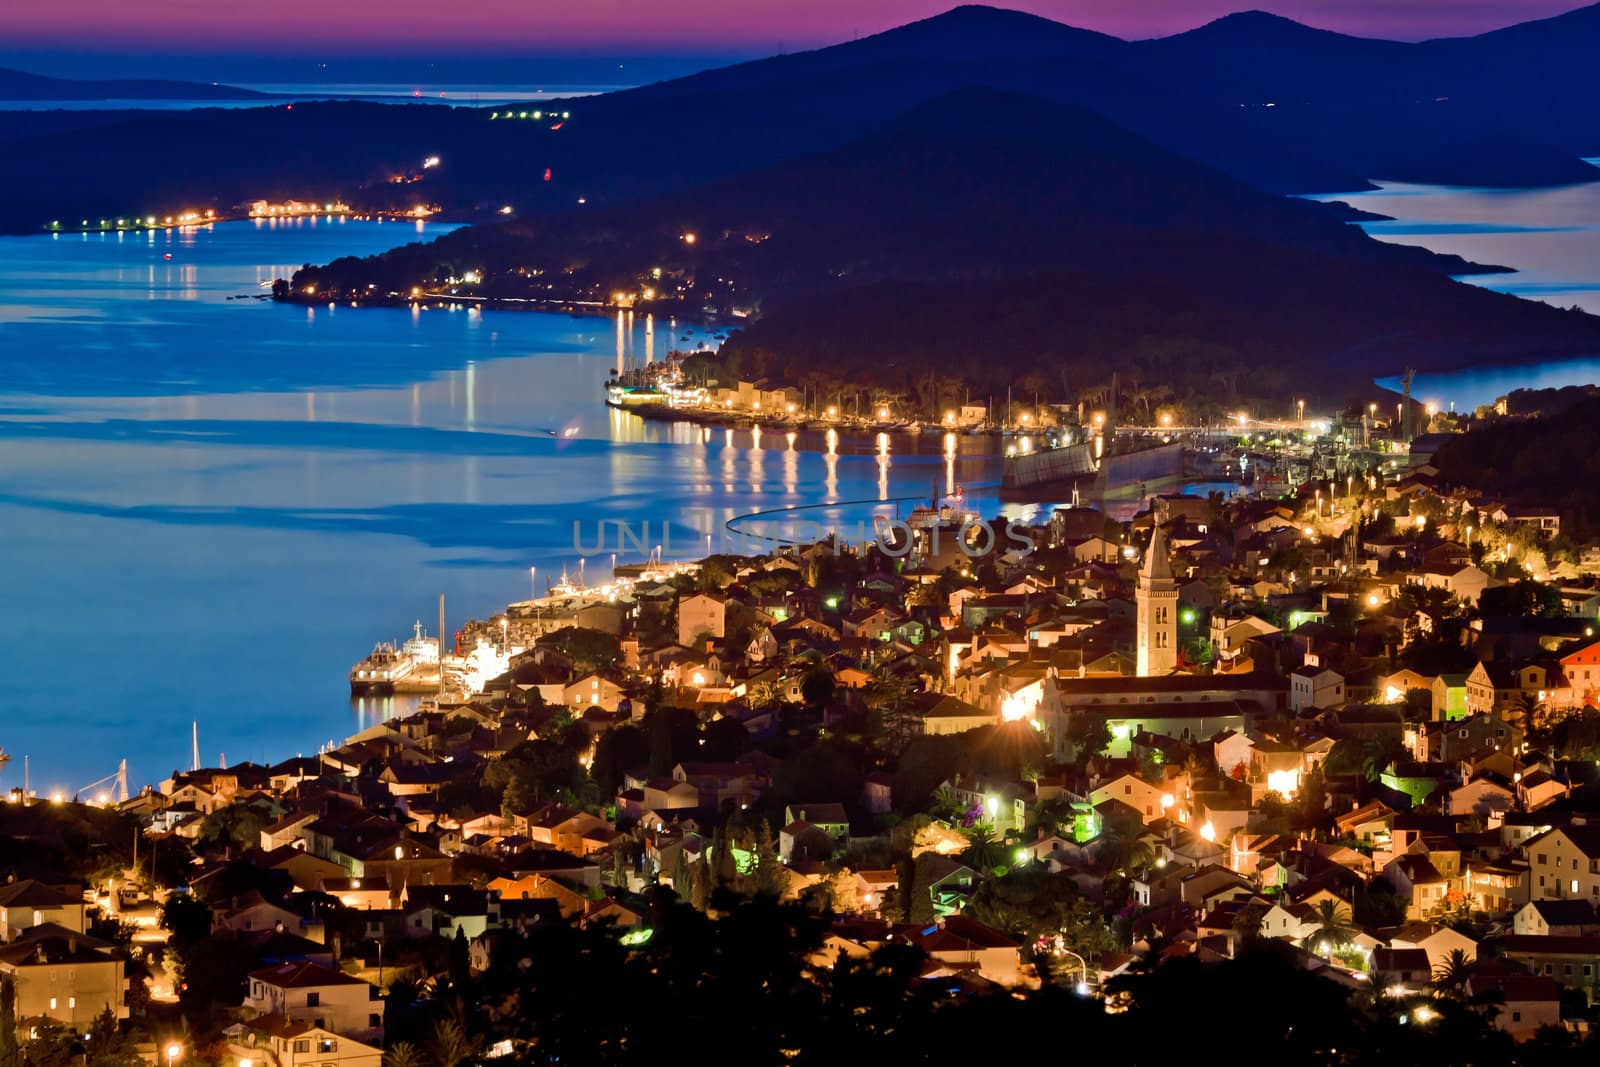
1342, 741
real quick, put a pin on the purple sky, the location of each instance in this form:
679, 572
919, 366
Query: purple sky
697, 26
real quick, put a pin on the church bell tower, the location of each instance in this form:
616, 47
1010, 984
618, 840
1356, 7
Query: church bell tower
1157, 609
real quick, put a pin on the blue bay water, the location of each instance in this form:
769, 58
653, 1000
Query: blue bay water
1550, 236
211, 507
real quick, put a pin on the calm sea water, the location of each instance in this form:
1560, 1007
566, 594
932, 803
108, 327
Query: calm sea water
211, 507
454, 94
1552, 238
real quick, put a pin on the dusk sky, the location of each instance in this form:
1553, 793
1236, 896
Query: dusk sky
701, 27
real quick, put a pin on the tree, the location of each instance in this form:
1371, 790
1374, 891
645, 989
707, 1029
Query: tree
1333, 928
1451, 974
700, 886
682, 878
404, 1054
615, 751
1032, 902
186, 918
817, 689
452, 1043
589, 650
10, 1054
1089, 735
107, 1045
983, 852
237, 826
772, 877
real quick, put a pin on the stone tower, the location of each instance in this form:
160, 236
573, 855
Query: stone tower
1157, 609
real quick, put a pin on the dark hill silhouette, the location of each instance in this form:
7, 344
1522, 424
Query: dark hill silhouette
1552, 461
20, 85
1516, 108
1043, 235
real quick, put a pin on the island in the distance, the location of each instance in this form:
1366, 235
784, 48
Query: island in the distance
1040, 246
19, 86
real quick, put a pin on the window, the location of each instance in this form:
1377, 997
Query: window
1516, 1016
1566, 969
327, 1045
313, 1000
302, 1047
52, 1003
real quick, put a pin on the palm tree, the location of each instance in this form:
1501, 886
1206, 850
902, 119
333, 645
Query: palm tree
453, 1042
1529, 713
404, 1054
945, 801
1451, 974
983, 850
1333, 927
1141, 856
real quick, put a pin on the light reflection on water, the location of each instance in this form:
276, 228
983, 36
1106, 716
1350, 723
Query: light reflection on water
1551, 236
221, 503
211, 507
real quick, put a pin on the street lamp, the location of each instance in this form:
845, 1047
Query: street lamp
173, 1052
1082, 987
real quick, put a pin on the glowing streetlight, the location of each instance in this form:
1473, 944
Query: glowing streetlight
173, 1052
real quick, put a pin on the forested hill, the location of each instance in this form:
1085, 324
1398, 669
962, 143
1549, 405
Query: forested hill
1045, 239
1550, 461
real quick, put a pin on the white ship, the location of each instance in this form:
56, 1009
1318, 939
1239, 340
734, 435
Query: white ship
377, 674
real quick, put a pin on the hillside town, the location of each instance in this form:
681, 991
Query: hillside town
1355, 728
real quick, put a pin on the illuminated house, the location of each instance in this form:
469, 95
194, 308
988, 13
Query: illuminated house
27, 903
1450, 741
65, 976
316, 995
700, 616
1450, 697
281, 1042
1564, 864
1150, 801
1315, 687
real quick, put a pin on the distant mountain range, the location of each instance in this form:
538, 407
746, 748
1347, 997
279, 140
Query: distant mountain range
983, 193
17, 85
1282, 106
1042, 240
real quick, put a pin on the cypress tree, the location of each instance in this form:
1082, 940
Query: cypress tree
700, 884
682, 880
770, 875
10, 1055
